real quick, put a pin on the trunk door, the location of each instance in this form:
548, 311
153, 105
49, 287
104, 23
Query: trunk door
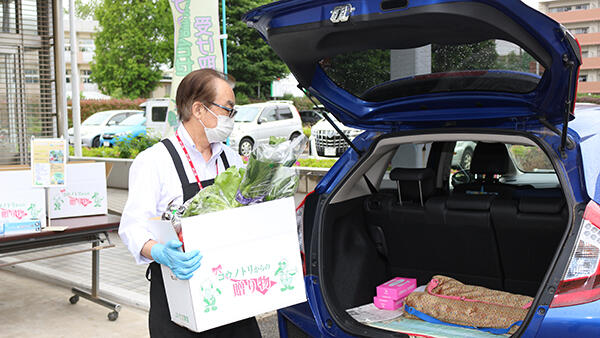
397, 64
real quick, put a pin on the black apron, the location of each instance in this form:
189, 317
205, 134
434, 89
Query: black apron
160, 323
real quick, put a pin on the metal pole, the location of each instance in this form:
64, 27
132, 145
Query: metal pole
59, 70
95, 268
75, 108
224, 37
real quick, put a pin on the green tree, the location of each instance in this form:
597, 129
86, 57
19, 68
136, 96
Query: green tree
86, 10
249, 59
517, 62
358, 71
447, 58
135, 38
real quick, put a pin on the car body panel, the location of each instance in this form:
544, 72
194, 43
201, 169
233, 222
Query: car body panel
89, 133
587, 127
110, 134
289, 26
572, 321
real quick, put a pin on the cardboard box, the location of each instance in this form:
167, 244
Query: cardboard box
19, 200
84, 194
251, 265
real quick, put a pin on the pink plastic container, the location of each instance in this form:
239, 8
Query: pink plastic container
396, 288
387, 303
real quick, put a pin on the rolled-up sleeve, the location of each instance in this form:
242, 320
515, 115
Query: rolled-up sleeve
142, 201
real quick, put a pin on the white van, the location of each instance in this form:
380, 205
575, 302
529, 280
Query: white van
156, 115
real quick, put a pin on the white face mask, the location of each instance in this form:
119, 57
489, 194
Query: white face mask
221, 132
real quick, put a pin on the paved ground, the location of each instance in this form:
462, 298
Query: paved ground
24, 286
33, 308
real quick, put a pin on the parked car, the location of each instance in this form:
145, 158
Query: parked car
132, 127
256, 123
463, 154
310, 117
419, 76
325, 140
156, 111
93, 127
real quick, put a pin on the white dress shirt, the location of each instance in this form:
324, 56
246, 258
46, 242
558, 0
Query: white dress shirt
154, 183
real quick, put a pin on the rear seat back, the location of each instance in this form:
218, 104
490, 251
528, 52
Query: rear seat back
528, 231
464, 239
396, 221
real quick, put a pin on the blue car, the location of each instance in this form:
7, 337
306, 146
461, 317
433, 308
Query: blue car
419, 77
130, 128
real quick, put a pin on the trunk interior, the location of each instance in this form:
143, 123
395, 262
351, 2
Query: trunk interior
503, 236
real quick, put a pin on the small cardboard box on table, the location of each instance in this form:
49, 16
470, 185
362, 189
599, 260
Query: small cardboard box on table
84, 193
251, 265
20, 203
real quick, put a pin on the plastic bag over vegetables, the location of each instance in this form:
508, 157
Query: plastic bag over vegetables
268, 175
218, 196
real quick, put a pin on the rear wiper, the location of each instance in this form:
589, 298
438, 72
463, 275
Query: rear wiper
340, 132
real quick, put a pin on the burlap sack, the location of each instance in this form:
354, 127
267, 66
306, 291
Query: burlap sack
451, 301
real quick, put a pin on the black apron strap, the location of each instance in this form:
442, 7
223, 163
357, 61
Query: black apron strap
224, 159
177, 161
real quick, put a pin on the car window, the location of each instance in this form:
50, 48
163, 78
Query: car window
133, 120
117, 119
96, 119
284, 113
245, 114
377, 75
269, 114
159, 114
530, 159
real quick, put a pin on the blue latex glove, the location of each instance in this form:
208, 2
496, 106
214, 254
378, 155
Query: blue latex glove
183, 264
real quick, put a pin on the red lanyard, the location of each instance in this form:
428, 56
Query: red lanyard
190, 161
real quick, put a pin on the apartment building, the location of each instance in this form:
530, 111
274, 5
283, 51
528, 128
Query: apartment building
85, 55
582, 18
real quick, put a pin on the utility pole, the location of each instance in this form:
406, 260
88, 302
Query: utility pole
75, 105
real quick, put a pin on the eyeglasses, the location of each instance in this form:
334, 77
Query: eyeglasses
231, 111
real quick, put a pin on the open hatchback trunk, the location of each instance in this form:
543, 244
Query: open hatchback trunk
431, 216
472, 87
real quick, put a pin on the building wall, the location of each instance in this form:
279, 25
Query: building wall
27, 92
582, 19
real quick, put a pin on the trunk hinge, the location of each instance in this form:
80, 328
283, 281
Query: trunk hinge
340, 132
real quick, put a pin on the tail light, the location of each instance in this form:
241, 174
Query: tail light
581, 282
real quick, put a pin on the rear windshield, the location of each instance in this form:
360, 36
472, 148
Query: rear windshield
383, 74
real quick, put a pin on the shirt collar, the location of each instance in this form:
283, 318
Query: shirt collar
216, 147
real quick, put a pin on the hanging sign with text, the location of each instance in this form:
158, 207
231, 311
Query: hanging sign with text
197, 45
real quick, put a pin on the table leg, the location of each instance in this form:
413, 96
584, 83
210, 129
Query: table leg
93, 295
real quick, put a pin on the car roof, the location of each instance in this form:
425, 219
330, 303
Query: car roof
267, 103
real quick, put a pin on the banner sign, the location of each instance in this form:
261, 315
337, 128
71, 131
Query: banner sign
197, 45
